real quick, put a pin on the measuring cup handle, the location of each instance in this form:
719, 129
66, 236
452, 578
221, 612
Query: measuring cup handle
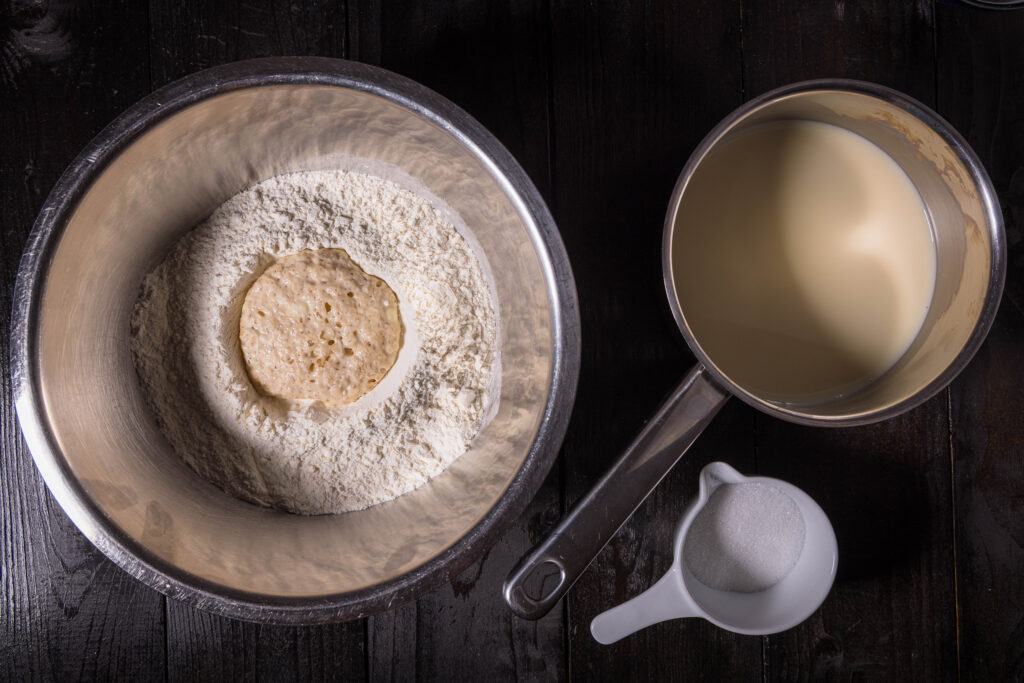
666, 599
578, 538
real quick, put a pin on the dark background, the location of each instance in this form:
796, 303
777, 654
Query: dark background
601, 102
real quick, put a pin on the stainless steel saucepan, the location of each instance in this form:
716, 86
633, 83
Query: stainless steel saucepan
970, 268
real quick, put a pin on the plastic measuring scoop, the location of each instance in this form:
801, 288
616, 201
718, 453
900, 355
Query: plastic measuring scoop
781, 606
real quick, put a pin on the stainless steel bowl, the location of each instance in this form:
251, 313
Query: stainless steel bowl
147, 179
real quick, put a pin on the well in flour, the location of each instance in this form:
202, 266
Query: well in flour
316, 326
303, 455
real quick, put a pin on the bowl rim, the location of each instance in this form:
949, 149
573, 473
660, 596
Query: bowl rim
52, 220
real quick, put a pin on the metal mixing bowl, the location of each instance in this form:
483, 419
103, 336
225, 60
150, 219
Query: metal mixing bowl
148, 178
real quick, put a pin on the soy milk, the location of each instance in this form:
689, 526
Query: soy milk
803, 260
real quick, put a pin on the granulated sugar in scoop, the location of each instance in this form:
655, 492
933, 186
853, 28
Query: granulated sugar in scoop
753, 555
746, 539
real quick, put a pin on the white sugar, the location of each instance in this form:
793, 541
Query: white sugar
745, 539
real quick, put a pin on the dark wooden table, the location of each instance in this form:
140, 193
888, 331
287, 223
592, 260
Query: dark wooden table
601, 102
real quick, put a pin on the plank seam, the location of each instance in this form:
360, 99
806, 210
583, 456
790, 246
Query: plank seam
952, 507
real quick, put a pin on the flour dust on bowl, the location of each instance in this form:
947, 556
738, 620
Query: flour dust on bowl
117, 213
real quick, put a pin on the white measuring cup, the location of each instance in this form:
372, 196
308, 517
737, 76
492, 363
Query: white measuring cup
679, 594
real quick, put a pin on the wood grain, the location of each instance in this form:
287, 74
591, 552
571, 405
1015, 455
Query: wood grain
886, 41
186, 37
980, 93
491, 59
205, 647
67, 613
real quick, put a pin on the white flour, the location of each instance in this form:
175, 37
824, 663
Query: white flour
301, 456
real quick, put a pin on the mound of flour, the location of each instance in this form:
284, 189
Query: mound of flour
302, 456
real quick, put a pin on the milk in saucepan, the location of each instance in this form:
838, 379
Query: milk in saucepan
803, 260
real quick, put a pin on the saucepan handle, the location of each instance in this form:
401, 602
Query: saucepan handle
569, 549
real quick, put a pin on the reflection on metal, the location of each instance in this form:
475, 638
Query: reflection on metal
145, 180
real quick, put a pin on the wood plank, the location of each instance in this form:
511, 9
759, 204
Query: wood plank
979, 91
363, 31
988, 467
636, 86
885, 487
186, 37
885, 41
203, 646
492, 60
189, 36
68, 613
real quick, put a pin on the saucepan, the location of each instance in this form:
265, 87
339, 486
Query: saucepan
967, 232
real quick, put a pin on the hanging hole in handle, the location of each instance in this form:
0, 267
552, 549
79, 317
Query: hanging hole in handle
543, 580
